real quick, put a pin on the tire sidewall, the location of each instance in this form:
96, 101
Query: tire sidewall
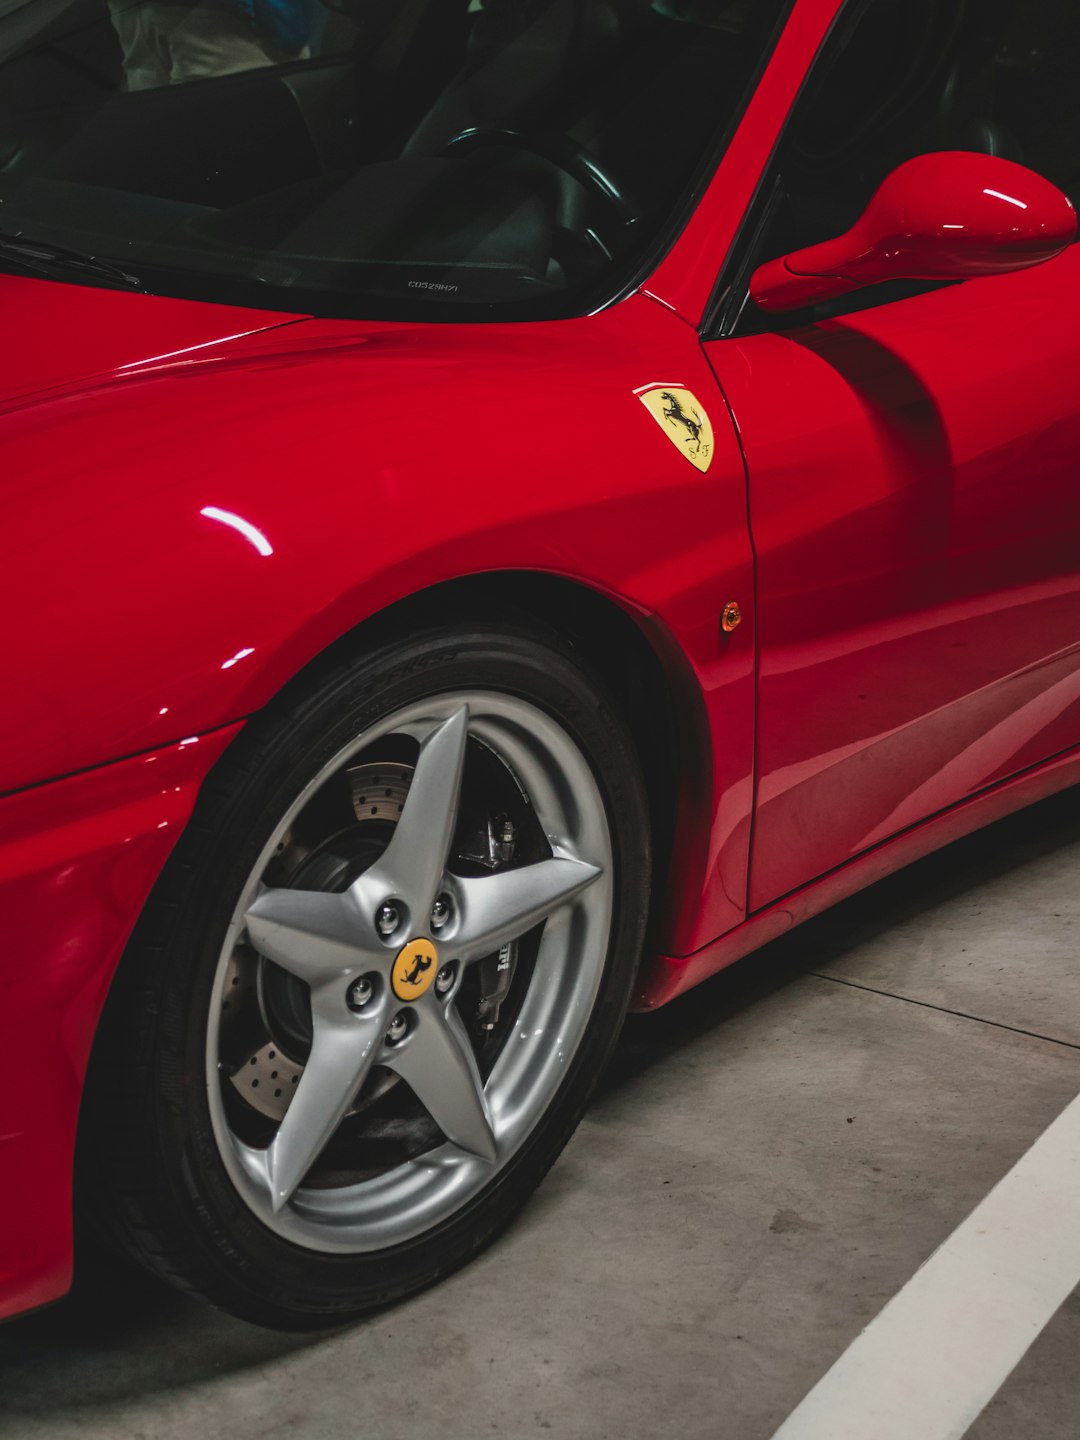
255, 1271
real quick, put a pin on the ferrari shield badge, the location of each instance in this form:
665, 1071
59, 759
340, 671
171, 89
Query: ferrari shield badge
683, 420
414, 969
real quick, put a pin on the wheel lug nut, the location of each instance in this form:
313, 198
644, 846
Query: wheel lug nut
440, 912
445, 978
361, 992
387, 920
398, 1026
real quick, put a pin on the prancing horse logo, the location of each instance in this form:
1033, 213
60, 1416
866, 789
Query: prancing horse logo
420, 964
675, 413
683, 420
414, 969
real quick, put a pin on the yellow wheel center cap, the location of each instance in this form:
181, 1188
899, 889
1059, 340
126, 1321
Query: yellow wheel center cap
414, 969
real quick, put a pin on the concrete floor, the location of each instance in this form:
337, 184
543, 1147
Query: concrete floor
769, 1161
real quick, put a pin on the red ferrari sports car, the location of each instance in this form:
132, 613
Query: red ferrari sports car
641, 435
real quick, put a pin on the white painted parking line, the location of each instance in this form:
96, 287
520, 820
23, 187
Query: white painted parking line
925, 1367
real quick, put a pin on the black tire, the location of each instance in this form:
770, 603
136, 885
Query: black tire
150, 1171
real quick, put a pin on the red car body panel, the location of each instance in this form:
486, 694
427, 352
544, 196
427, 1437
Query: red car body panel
668, 977
198, 500
77, 861
916, 523
194, 625
346, 450
68, 336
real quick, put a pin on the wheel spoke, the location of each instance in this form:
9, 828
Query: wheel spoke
314, 935
413, 863
342, 1052
496, 908
438, 1064
303, 1152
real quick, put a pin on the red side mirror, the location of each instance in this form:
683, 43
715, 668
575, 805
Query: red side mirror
947, 216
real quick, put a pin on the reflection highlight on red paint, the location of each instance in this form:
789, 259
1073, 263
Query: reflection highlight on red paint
243, 527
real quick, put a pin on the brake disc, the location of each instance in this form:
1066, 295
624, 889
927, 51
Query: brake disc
267, 1077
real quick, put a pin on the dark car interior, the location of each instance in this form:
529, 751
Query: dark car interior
477, 154
509, 151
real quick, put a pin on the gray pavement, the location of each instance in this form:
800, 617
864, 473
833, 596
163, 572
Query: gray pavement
769, 1161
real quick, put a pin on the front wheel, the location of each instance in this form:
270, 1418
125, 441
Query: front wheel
377, 981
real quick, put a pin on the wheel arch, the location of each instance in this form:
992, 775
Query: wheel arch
635, 655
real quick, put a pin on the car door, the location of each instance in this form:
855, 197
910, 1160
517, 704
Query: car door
913, 458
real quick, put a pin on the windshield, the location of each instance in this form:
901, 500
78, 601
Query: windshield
455, 158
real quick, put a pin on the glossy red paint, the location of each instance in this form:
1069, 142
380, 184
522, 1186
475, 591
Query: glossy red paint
952, 215
672, 976
197, 501
217, 544
157, 331
77, 860
194, 555
916, 523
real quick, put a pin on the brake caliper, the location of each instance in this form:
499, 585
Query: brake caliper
493, 848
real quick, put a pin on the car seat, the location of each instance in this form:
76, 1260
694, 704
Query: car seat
523, 58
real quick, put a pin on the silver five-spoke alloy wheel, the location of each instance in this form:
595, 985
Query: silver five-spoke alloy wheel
382, 966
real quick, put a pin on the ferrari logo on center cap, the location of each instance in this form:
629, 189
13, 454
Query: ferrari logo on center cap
414, 969
683, 420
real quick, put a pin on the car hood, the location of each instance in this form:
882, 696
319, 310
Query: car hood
63, 335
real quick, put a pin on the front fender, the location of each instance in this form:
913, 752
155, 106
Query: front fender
198, 529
